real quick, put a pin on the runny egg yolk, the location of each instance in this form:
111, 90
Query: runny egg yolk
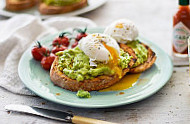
113, 61
119, 25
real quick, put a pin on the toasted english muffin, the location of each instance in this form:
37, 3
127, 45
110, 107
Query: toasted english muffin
51, 9
18, 5
147, 64
97, 83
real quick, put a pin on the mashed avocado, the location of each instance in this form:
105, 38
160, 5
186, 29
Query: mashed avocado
124, 59
75, 64
60, 2
83, 94
140, 51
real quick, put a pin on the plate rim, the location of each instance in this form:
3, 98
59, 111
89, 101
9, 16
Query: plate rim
120, 103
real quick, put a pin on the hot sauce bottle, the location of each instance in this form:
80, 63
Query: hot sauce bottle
181, 29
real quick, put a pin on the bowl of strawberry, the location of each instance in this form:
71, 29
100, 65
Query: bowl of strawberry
46, 55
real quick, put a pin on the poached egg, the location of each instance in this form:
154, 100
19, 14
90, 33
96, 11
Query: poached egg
94, 46
123, 31
102, 48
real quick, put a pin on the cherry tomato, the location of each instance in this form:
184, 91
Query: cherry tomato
74, 45
80, 36
38, 51
52, 54
61, 40
58, 48
47, 61
82, 33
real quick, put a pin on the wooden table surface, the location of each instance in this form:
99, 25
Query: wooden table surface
170, 105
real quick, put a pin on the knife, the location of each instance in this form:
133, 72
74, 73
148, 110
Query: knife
54, 114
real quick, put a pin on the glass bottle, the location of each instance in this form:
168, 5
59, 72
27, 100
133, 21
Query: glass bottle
181, 29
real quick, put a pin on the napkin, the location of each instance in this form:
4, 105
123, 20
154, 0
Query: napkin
17, 34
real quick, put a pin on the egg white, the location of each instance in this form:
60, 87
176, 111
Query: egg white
123, 31
92, 46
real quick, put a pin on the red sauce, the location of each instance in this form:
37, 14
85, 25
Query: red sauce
182, 15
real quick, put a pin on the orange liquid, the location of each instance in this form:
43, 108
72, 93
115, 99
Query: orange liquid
58, 94
113, 62
125, 83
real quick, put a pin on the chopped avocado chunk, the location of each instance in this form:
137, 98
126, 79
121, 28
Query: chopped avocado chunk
75, 64
83, 94
124, 59
60, 2
140, 51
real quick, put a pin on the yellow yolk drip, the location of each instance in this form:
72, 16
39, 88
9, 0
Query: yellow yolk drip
119, 25
113, 62
125, 83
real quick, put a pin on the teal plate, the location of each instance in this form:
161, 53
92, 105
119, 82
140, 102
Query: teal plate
150, 81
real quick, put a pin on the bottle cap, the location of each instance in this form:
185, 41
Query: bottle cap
183, 2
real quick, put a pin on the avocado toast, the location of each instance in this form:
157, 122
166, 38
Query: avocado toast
101, 60
18, 5
125, 33
48, 7
95, 83
143, 62
72, 69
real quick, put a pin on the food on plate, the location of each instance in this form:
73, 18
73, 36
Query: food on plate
96, 63
62, 40
60, 43
61, 6
75, 44
41, 53
47, 7
38, 51
80, 35
17, 5
47, 61
83, 94
58, 48
95, 46
125, 33
44, 55
145, 56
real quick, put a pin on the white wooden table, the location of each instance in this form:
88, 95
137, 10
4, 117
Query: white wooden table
170, 105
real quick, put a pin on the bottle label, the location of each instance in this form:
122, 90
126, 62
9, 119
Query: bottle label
188, 40
180, 36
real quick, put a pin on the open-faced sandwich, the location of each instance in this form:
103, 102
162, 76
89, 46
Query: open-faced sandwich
125, 33
60, 6
101, 60
17, 5
96, 63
